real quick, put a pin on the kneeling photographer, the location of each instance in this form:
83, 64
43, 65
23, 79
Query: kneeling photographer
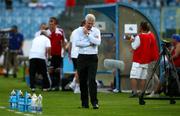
171, 59
176, 50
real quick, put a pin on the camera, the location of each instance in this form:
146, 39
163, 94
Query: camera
130, 31
166, 43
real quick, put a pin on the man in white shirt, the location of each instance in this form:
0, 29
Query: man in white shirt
88, 40
43, 27
39, 52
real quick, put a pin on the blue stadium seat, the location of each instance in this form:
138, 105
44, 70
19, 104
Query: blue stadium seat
29, 19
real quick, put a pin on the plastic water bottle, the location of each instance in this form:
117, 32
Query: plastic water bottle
39, 104
12, 100
18, 92
21, 102
34, 103
28, 102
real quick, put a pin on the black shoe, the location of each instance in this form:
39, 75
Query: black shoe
133, 94
95, 106
85, 106
14, 75
6, 75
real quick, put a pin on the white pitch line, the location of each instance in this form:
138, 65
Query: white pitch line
25, 114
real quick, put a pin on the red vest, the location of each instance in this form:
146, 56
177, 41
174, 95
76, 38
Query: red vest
56, 42
154, 48
70, 3
110, 1
142, 53
176, 60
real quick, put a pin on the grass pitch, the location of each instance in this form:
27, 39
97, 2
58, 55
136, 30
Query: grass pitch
66, 103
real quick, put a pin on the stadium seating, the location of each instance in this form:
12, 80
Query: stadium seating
27, 18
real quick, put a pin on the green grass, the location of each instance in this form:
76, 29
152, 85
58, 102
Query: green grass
66, 103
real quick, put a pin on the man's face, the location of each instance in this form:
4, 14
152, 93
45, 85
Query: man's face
14, 30
89, 24
52, 23
44, 27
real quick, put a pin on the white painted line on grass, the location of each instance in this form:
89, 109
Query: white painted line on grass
17, 112
2, 107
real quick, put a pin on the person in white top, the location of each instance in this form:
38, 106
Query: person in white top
43, 27
88, 40
73, 55
39, 52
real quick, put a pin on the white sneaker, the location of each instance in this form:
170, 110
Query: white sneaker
115, 90
72, 85
153, 95
77, 89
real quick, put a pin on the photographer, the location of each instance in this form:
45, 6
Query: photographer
141, 46
176, 50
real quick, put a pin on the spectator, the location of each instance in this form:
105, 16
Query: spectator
110, 1
57, 38
88, 40
39, 53
9, 4
43, 26
70, 4
14, 49
177, 2
141, 46
73, 54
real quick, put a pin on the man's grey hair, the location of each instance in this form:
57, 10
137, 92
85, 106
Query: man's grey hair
90, 17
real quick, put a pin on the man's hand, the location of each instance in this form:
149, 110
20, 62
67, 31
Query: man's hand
92, 44
86, 31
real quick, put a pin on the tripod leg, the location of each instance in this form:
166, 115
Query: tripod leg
151, 76
141, 97
141, 101
172, 101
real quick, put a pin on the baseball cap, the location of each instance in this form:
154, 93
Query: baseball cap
176, 37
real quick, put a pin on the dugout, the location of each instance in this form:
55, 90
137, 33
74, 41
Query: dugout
111, 19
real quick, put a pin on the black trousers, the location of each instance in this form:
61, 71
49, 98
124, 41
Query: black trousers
37, 65
56, 63
87, 68
74, 60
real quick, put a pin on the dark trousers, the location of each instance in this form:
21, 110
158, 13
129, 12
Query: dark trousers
87, 68
56, 63
37, 65
74, 60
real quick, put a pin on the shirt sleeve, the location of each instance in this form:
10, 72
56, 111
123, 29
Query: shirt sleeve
48, 43
96, 39
136, 43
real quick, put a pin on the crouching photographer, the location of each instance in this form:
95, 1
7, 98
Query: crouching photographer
176, 51
170, 64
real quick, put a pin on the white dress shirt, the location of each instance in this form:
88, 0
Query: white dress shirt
84, 42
